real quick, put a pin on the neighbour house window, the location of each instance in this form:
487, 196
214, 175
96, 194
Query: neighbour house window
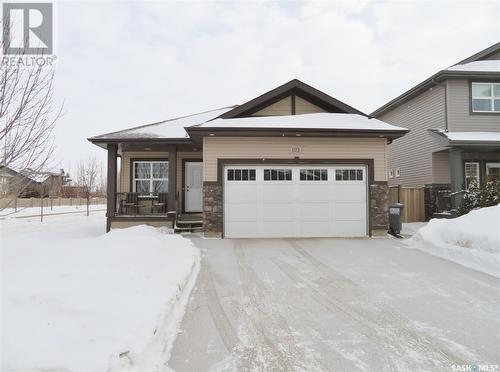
241, 174
349, 175
150, 177
471, 173
493, 171
398, 172
314, 175
277, 174
486, 97
391, 173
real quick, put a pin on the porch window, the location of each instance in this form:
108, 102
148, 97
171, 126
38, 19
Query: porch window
493, 171
150, 177
486, 97
471, 173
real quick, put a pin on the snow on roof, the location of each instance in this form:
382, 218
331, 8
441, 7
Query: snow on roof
172, 128
481, 66
305, 121
469, 136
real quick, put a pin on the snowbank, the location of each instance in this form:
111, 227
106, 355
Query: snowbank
472, 240
74, 298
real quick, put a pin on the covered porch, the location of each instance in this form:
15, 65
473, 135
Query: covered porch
152, 183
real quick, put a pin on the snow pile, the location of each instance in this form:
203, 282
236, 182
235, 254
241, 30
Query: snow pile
74, 298
472, 240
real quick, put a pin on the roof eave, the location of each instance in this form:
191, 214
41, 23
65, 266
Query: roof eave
433, 80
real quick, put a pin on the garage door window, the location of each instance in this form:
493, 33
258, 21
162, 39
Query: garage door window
241, 174
349, 175
277, 174
314, 175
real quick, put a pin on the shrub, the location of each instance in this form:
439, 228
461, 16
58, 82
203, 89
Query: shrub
486, 195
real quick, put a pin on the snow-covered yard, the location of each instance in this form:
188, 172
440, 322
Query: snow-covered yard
472, 240
74, 298
47, 211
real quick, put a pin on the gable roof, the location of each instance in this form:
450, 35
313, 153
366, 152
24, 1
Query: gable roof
294, 87
471, 67
172, 129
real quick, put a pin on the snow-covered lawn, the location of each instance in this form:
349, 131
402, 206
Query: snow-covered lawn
74, 298
410, 228
472, 240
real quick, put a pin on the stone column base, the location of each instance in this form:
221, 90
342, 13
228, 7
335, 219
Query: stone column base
379, 208
212, 209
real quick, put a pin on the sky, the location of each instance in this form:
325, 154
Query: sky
123, 64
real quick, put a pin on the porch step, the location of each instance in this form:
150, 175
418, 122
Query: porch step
188, 223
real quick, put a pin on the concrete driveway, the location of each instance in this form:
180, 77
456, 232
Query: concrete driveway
335, 304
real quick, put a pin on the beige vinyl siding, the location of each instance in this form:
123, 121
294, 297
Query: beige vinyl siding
441, 167
412, 153
305, 107
215, 148
283, 107
124, 181
460, 118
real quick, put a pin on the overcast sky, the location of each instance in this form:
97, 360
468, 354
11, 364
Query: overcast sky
122, 64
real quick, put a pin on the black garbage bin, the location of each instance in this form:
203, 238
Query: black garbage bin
395, 218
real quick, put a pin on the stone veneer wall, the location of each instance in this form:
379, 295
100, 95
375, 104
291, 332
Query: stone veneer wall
379, 208
212, 209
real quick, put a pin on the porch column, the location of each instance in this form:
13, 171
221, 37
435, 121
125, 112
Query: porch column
456, 175
172, 179
111, 185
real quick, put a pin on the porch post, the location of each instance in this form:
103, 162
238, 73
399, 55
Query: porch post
456, 175
111, 185
172, 179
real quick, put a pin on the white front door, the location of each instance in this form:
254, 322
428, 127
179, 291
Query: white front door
295, 201
193, 186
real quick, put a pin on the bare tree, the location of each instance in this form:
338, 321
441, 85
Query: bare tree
27, 114
88, 176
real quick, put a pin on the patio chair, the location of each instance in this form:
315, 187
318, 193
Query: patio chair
160, 205
131, 202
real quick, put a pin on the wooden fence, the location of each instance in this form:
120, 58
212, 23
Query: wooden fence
413, 199
17, 203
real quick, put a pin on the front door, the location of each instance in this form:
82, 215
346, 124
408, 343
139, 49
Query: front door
193, 186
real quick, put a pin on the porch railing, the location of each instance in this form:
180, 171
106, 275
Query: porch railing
135, 204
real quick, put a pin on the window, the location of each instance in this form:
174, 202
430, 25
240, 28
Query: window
493, 171
391, 173
241, 174
349, 175
314, 175
150, 177
486, 97
398, 172
471, 173
277, 174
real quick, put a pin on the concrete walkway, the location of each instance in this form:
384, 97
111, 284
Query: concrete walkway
335, 304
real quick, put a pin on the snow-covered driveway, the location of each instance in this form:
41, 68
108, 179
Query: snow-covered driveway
335, 304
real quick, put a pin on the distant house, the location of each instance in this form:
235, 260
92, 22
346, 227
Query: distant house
292, 162
29, 183
454, 122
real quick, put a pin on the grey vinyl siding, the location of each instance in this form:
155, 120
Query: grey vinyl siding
460, 119
441, 167
494, 56
413, 152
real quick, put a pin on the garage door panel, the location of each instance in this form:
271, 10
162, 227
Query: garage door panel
319, 206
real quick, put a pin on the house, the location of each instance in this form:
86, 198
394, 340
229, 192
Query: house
30, 183
293, 162
454, 122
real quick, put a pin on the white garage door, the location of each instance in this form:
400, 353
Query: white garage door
295, 201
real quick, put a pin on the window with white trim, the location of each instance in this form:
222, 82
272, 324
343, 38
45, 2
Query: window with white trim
241, 174
493, 171
150, 177
314, 174
278, 174
349, 175
391, 173
486, 97
471, 173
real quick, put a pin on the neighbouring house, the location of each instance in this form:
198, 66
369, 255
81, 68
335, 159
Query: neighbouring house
29, 183
293, 162
454, 122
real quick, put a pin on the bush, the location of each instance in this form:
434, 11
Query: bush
486, 195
